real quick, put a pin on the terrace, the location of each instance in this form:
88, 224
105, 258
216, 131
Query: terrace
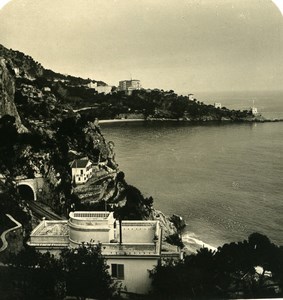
130, 249
135, 237
51, 233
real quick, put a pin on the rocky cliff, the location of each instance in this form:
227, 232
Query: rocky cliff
22, 65
7, 93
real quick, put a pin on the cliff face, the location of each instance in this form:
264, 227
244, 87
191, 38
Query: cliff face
7, 92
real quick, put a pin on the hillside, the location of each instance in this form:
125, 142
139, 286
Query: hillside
52, 138
43, 94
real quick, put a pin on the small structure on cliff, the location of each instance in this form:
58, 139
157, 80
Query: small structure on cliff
81, 170
253, 109
217, 105
106, 89
131, 248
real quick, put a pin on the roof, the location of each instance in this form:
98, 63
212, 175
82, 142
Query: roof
79, 163
129, 80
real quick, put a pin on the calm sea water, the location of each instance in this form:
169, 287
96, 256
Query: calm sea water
225, 180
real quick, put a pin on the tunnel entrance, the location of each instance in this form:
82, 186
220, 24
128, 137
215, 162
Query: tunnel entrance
26, 192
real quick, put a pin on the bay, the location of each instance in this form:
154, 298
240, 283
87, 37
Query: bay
226, 180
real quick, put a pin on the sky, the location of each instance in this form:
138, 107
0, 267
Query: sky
189, 46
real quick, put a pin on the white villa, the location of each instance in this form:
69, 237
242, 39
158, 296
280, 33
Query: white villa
131, 248
217, 105
81, 170
106, 89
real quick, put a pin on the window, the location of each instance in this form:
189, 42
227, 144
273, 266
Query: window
82, 172
117, 271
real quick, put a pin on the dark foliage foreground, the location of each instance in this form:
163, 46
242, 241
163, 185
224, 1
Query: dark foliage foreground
227, 273
80, 272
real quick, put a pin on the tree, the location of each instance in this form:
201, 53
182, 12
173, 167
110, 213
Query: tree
40, 275
80, 272
175, 239
178, 107
227, 273
86, 273
136, 207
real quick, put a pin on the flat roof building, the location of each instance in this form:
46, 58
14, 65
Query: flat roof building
133, 247
129, 86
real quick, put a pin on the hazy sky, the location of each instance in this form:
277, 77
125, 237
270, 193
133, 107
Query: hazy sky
184, 45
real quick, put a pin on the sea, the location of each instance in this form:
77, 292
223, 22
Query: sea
225, 180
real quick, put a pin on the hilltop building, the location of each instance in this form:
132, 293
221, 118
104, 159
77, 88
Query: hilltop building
128, 86
131, 248
81, 170
106, 89
217, 105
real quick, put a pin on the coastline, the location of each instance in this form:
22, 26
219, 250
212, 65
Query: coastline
191, 240
120, 120
263, 120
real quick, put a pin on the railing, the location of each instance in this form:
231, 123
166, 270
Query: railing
103, 215
139, 223
80, 223
176, 254
129, 249
45, 239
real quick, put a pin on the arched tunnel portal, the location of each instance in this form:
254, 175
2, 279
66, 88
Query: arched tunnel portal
26, 192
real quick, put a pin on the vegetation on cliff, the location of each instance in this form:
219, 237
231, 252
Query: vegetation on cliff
46, 95
55, 136
159, 104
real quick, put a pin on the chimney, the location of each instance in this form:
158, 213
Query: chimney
120, 230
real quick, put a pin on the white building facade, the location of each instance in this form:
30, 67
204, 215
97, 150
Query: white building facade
131, 248
129, 86
81, 170
106, 89
217, 105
